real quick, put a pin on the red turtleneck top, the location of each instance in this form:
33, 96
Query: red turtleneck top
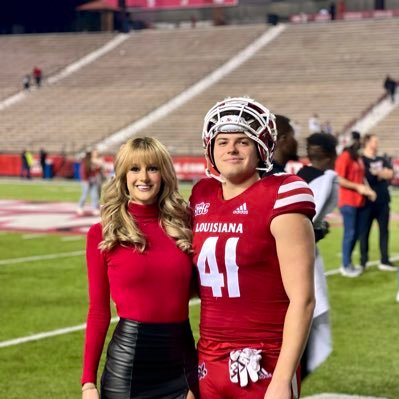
153, 286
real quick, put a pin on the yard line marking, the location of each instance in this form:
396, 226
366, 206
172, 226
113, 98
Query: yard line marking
33, 236
68, 330
4, 262
331, 272
37, 337
72, 238
61, 331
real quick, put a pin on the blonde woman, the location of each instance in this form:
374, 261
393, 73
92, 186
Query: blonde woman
140, 256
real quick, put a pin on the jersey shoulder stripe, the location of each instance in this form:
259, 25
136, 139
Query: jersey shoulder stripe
293, 199
286, 187
293, 191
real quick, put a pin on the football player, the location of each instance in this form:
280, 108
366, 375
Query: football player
254, 249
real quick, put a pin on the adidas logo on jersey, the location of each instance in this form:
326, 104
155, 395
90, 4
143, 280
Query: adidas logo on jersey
241, 210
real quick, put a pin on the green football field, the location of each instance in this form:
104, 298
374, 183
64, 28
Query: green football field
44, 291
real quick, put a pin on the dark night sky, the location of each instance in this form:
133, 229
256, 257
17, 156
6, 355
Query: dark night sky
38, 15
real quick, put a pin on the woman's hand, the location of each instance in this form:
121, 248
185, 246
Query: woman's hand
190, 395
365, 190
89, 391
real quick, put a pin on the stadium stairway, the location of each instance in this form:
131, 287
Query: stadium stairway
323, 68
387, 128
111, 144
144, 72
382, 119
50, 52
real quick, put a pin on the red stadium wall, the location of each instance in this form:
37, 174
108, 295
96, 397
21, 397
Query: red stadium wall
347, 16
172, 4
188, 168
10, 165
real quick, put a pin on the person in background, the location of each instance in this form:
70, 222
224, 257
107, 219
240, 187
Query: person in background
378, 174
286, 146
314, 124
26, 82
322, 179
99, 165
140, 256
353, 191
254, 249
26, 164
43, 159
341, 9
37, 76
390, 86
89, 181
332, 10
327, 128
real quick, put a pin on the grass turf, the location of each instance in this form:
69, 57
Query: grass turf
44, 295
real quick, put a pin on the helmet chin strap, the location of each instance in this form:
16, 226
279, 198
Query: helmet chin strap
210, 174
268, 167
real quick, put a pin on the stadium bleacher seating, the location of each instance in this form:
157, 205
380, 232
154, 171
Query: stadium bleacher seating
50, 52
125, 84
334, 69
387, 131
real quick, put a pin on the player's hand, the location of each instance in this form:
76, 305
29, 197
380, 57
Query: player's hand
321, 232
278, 390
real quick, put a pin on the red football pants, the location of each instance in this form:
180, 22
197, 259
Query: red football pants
214, 380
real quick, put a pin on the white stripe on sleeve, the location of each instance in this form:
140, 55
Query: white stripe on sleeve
293, 199
292, 186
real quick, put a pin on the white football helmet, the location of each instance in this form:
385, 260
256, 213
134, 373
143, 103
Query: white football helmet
241, 114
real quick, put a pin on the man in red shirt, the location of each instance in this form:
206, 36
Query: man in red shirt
254, 249
37, 75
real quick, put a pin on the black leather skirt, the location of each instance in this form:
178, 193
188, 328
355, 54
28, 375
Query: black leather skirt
150, 361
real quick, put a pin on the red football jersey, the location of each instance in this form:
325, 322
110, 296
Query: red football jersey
243, 301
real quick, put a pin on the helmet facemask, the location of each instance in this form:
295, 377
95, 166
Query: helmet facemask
241, 115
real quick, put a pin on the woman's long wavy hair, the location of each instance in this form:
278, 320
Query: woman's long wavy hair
118, 225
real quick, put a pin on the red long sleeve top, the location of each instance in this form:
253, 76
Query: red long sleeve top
153, 286
354, 171
88, 175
